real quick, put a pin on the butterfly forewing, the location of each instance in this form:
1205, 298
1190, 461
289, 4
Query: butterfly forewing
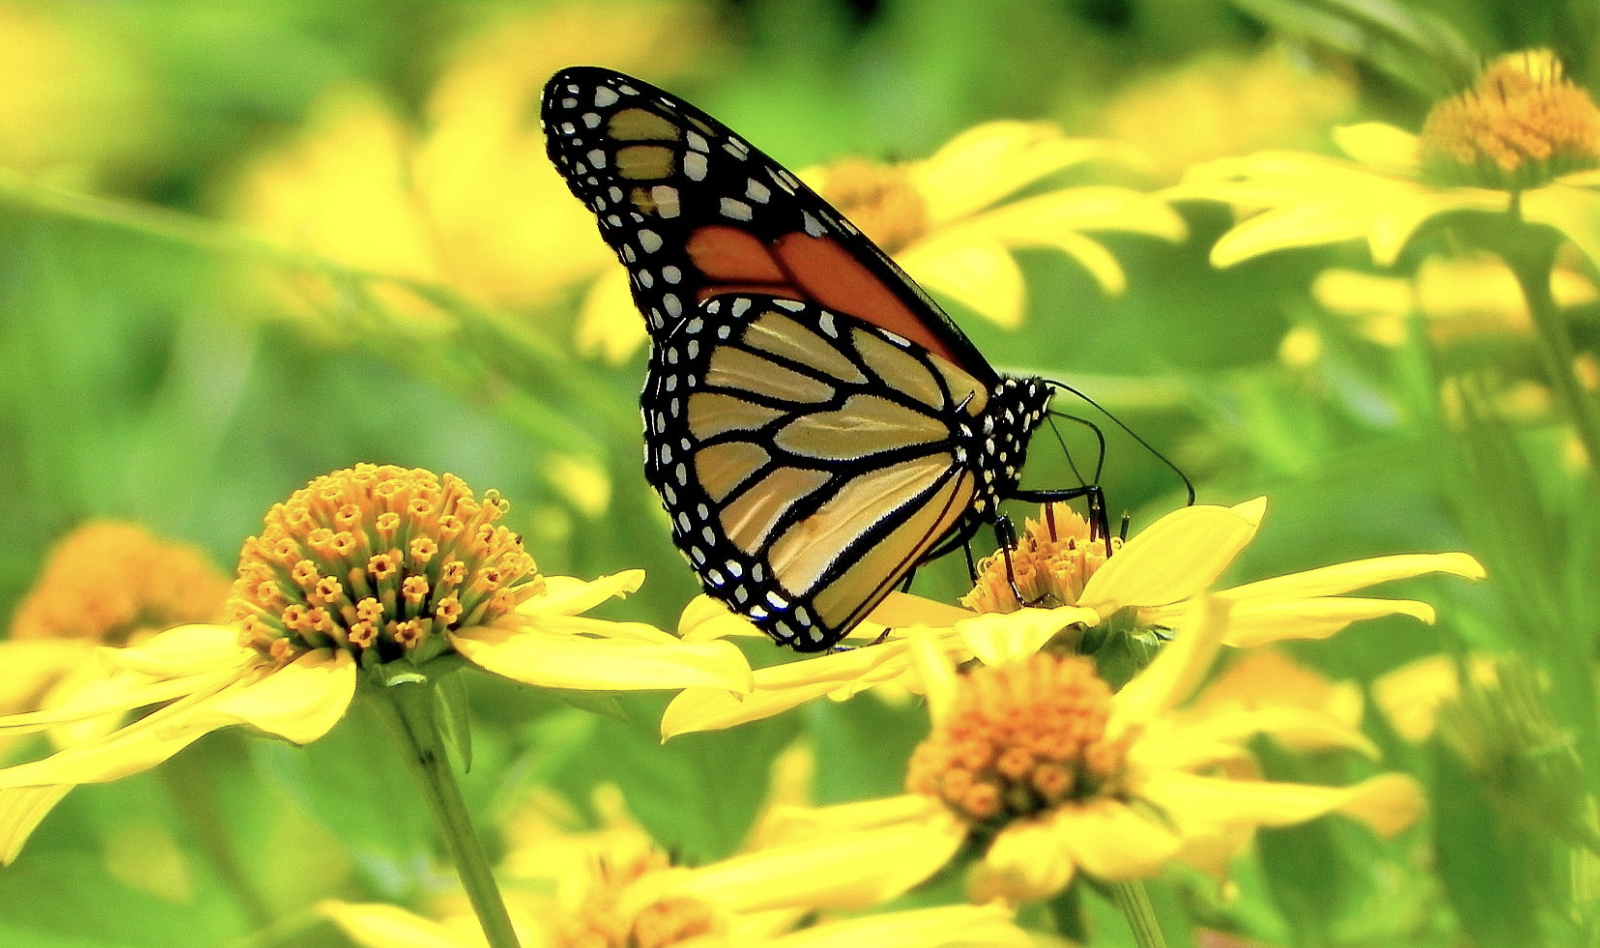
694, 211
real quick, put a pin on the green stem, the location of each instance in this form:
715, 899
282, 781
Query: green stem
1135, 905
407, 707
1530, 252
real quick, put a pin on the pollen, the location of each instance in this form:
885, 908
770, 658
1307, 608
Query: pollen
378, 557
115, 583
1051, 563
606, 918
1521, 125
1020, 740
879, 199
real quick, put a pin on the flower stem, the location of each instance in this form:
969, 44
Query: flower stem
1530, 253
1135, 905
407, 707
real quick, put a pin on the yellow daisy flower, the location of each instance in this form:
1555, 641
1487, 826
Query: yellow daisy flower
950, 223
467, 198
364, 567
1138, 593
107, 584
1039, 760
613, 889
1523, 139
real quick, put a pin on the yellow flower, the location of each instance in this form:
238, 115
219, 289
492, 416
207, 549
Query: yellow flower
1458, 298
76, 99
1056, 775
1519, 139
1224, 104
468, 199
613, 889
1139, 591
950, 222
105, 584
361, 567
1410, 696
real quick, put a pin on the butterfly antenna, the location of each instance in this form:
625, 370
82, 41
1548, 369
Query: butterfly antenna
1062, 386
1100, 445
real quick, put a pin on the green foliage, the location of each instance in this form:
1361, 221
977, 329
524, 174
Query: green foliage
144, 376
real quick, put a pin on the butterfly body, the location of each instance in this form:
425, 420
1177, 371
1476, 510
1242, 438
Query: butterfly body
814, 423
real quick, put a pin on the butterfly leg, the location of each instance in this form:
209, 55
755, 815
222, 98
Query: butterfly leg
1099, 522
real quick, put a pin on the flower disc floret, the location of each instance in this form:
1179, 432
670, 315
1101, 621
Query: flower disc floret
1051, 564
1520, 126
378, 557
1021, 739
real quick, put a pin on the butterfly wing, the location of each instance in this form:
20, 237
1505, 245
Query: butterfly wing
799, 485
695, 212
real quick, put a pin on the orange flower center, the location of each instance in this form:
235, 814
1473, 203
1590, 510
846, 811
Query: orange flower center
115, 583
601, 923
879, 199
1521, 125
378, 557
1052, 561
1021, 739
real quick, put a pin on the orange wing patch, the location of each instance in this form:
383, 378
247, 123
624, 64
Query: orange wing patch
802, 267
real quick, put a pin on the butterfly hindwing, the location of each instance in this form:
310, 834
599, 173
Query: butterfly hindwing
799, 488
694, 211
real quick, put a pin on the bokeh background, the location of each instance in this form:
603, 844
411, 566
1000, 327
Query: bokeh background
243, 244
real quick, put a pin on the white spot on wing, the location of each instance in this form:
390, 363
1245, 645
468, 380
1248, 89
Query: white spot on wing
694, 165
735, 209
605, 97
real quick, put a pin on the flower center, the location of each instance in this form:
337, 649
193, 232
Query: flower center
115, 583
1520, 126
602, 922
879, 199
378, 557
1052, 561
1021, 739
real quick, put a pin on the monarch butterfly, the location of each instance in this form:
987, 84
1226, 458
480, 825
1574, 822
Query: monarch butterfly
815, 424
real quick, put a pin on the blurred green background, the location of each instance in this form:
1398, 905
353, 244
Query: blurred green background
330, 235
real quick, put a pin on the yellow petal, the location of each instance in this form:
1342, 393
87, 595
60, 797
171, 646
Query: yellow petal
375, 925
567, 595
33, 665
940, 683
579, 662
976, 272
1000, 638
1110, 840
1410, 695
116, 696
1380, 145
1169, 680
791, 823
1344, 577
184, 650
777, 688
1574, 211
129, 750
841, 870
902, 610
609, 326
988, 162
299, 702
21, 810
1026, 862
1399, 217
1388, 803
950, 926
1174, 558
1297, 728
1259, 624
557, 624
